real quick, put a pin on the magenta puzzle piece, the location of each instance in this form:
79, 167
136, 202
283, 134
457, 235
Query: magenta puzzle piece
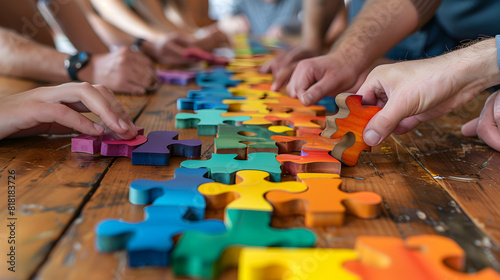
86, 144
160, 144
121, 148
177, 77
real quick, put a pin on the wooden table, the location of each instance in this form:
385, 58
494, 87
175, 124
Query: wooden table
432, 180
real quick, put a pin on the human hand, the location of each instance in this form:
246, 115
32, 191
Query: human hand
169, 50
55, 110
122, 70
317, 77
274, 32
487, 126
282, 66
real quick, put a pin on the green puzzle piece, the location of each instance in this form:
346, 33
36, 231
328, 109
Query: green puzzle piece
206, 120
243, 140
222, 168
196, 253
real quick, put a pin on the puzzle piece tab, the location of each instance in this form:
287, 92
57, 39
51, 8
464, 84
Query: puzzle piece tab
182, 190
149, 242
312, 161
349, 124
288, 144
206, 120
223, 168
289, 264
247, 193
161, 144
418, 257
299, 121
196, 253
243, 140
324, 204
121, 148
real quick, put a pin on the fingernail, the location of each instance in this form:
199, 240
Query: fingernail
371, 137
307, 99
99, 128
123, 124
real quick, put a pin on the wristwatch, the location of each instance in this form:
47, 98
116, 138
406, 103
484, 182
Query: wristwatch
76, 62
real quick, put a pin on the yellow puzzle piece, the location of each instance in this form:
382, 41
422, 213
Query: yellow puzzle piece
247, 90
249, 105
287, 264
282, 129
302, 176
247, 193
257, 118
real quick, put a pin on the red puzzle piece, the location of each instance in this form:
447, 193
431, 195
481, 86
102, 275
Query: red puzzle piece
121, 148
313, 161
349, 123
324, 204
430, 257
298, 120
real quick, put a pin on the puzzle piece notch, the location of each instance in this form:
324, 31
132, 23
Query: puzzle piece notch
161, 144
288, 264
247, 193
312, 161
182, 190
244, 228
299, 121
208, 102
149, 242
288, 144
324, 204
287, 104
243, 140
418, 257
121, 148
223, 167
349, 124
206, 120
176, 77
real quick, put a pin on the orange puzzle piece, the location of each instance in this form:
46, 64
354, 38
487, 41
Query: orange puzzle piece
349, 124
429, 257
287, 104
311, 161
298, 120
288, 144
324, 204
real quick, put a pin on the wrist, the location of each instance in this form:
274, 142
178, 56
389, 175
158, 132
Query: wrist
148, 49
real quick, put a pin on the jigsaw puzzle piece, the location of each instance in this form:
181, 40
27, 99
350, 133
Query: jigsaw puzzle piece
161, 144
254, 77
250, 90
176, 77
418, 257
244, 228
243, 140
311, 161
324, 204
299, 121
223, 167
215, 79
329, 103
86, 144
198, 54
149, 242
287, 104
303, 176
308, 131
349, 124
248, 192
208, 102
289, 264
206, 120
121, 148
182, 190
221, 92
288, 144
250, 105
282, 129
257, 118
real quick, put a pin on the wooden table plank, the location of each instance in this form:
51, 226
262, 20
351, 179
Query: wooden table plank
415, 203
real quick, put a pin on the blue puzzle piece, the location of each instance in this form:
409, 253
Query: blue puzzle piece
222, 92
223, 167
215, 80
207, 102
329, 103
160, 144
149, 242
182, 190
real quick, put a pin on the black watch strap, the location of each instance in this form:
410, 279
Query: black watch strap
75, 63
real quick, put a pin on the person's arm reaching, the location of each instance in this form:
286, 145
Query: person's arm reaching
417, 91
379, 26
55, 110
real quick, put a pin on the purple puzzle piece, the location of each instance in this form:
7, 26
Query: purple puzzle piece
156, 151
86, 144
176, 77
121, 148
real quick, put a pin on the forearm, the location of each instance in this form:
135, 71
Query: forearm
27, 59
153, 11
318, 14
117, 13
72, 21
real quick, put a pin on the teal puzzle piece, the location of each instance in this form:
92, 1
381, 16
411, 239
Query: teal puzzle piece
196, 253
149, 242
182, 190
223, 167
206, 120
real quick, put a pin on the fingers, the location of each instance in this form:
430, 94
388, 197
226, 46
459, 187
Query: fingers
317, 91
268, 66
385, 122
282, 77
487, 128
470, 128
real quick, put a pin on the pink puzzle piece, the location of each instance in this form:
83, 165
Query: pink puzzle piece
86, 144
199, 54
176, 77
121, 148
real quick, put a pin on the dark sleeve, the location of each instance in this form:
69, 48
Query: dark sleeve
425, 9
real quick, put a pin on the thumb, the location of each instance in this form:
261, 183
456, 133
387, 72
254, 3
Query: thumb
383, 123
470, 128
